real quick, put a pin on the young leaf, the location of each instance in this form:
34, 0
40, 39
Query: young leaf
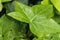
23, 13
45, 10
41, 25
18, 16
56, 4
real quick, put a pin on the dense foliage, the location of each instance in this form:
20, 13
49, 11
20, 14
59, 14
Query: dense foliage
29, 19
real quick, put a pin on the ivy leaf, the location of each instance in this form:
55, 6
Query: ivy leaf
41, 25
0, 5
5, 26
56, 4
18, 16
45, 10
10, 29
23, 13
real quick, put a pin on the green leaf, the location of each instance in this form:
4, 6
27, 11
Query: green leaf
56, 4
45, 2
0, 5
23, 13
45, 10
9, 35
5, 0
41, 25
10, 28
6, 26
18, 16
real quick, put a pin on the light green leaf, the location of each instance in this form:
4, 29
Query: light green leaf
45, 10
5, 0
0, 5
56, 4
23, 13
41, 25
45, 2
18, 16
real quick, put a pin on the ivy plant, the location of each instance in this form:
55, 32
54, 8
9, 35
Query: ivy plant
38, 17
20, 20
